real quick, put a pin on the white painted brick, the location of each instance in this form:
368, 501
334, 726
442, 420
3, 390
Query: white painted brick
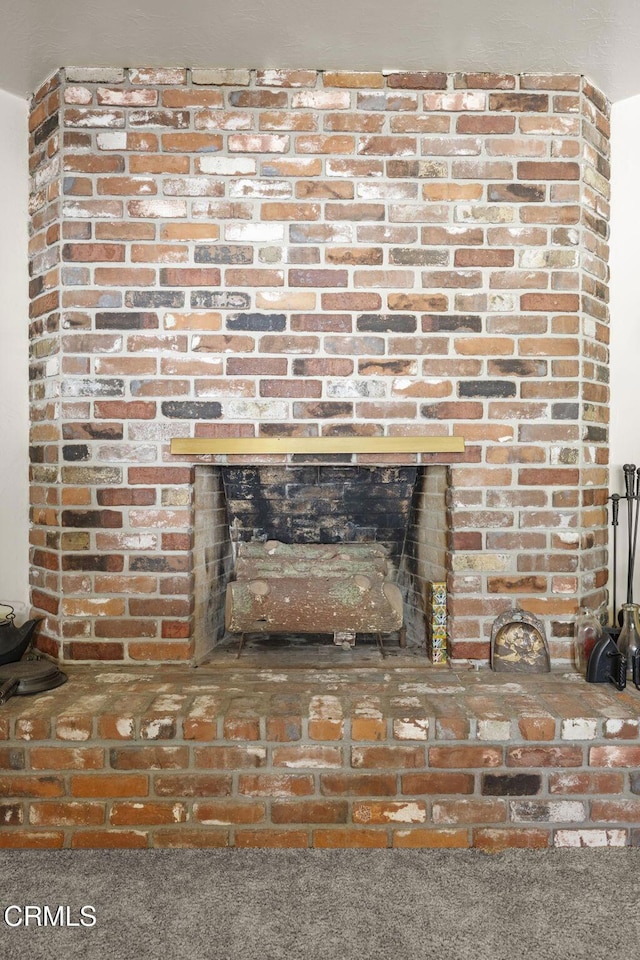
354, 389
112, 141
260, 188
258, 232
221, 77
542, 811
322, 100
579, 728
590, 838
168, 75
502, 302
414, 728
258, 410
94, 74
494, 730
410, 812
78, 96
227, 166
614, 725
325, 708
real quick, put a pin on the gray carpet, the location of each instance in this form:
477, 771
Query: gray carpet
321, 905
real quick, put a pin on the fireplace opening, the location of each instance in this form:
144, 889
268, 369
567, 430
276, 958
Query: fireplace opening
257, 520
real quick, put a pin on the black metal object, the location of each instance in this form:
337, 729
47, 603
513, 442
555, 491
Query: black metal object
632, 496
635, 534
600, 668
615, 509
608, 665
14, 641
27, 677
629, 485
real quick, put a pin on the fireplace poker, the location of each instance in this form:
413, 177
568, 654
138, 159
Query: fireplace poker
615, 507
635, 534
629, 484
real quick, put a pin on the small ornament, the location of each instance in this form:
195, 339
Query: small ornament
518, 644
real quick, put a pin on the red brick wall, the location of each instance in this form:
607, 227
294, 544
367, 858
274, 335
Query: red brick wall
241, 253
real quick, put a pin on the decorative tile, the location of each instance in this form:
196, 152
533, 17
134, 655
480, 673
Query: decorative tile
436, 616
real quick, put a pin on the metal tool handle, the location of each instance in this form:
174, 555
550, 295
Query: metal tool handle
615, 508
618, 675
629, 478
8, 688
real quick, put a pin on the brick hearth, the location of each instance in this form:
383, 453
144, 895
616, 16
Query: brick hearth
388, 755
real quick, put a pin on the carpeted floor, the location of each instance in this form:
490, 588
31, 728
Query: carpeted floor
321, 905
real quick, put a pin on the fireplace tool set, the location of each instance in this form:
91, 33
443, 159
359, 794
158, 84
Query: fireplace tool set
613, 653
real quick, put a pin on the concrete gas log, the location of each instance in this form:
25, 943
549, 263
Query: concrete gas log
313, 588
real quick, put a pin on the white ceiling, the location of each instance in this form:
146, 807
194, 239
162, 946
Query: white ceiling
600, 38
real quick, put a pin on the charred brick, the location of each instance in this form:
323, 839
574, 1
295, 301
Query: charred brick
192, 410
36, 286
75, 451
511, 784
91, 518
104, 563
149, 299
386, 323
126, 321
321, 504
11, 758
92, 431
44, 131
565, 411
516, 193
274, 322
595, 434
519, 368
454, 323
486, 388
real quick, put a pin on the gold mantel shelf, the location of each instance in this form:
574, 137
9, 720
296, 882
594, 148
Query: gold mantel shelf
243, 446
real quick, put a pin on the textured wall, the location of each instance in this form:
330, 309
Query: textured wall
625, 327
285, 252
14, 559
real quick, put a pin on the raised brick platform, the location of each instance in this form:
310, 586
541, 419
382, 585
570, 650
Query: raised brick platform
388, 755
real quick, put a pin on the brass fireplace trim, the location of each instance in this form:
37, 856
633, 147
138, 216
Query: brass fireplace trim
315, 445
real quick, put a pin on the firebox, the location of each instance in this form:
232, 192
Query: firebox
398, 510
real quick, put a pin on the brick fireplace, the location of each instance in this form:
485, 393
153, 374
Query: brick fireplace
290, 253
295, 257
